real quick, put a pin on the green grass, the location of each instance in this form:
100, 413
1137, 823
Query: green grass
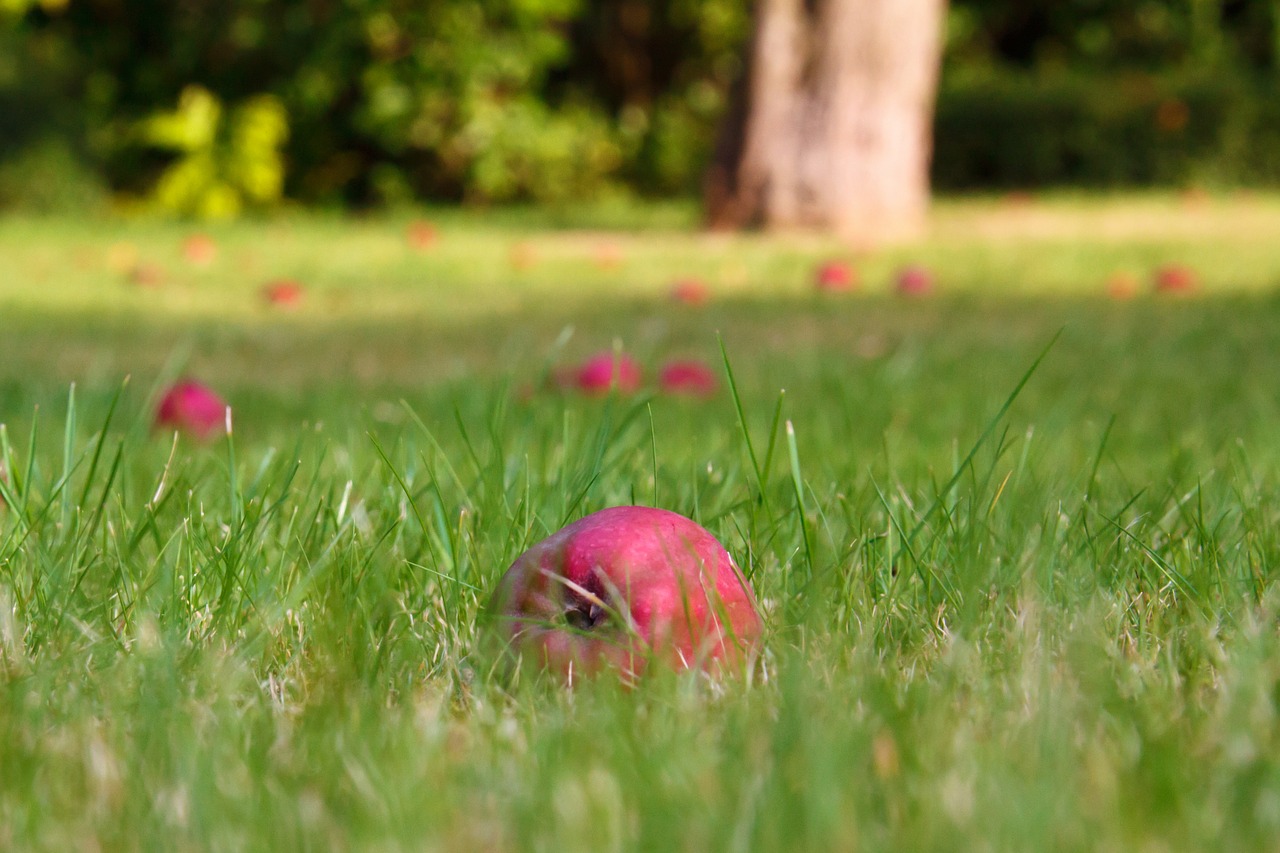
1046, 627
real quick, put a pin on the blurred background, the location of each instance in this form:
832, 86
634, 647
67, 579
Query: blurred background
212, 109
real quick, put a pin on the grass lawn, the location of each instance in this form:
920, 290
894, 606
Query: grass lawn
1000, 616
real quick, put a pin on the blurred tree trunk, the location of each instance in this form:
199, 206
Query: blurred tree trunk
832, 126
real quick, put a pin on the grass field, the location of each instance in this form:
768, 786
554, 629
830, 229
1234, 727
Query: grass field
1012, 602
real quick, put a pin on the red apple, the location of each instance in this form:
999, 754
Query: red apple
690, 291
191, 407
1122, 285
1176, 279
606, 371
688, 377
914, 280
421, 235
199, 250
283, 292
835, 277
625, 588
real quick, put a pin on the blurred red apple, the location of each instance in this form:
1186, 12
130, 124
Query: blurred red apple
687, 377
199, 250
835, 277
914, 280
283, 292
1122, 285
1176, 279
625, 588
690, 291
193, 408
421, 235
607, 371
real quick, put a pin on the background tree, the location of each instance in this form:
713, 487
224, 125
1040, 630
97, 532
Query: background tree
833, 126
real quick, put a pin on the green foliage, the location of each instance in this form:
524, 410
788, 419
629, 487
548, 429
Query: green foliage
223, 165
49, 177
391, 101
14, 9
1014, 130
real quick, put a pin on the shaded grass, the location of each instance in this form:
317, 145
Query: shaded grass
1064, 640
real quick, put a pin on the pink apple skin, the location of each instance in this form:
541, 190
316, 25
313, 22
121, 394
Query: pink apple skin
192, 407
283, 293
200, 250
835, 277
623, 589
606, 371
687, 377
421, 235
1175, 278
914, 280
690, 291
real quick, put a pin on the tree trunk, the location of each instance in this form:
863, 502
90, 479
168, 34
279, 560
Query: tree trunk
831, 129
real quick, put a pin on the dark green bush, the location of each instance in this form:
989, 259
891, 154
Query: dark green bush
1018, 130
392, 101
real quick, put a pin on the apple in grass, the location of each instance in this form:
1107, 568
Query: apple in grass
835, 277
283, 293
1176, 279
607, 371
192, 407
687, 377
690, 291
421, 235
624, 589
1122, 285
914, 280
199, 250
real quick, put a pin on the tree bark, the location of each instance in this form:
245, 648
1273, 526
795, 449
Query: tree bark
831, 129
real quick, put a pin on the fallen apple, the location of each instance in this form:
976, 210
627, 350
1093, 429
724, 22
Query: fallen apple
1122, 285
835, 277
421, 235
687, 377
608, 371
624, 588
283, 293
193, 408
199, 250
1176, 279
914, 280
690, 291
